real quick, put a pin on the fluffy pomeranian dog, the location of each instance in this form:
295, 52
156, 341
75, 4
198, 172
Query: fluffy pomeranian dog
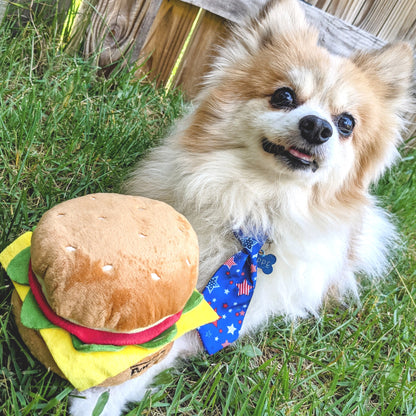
284, 139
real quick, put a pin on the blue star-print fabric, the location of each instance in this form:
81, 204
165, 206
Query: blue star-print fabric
229, 293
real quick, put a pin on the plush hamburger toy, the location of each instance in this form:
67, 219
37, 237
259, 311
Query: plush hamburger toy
104, 285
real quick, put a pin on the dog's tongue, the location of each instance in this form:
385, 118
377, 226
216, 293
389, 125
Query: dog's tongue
300, 155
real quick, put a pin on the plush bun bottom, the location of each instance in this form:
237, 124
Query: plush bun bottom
38, 348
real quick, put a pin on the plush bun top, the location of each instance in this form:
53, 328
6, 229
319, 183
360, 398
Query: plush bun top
115, 262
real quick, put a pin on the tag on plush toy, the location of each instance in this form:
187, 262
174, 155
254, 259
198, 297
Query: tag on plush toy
105, 284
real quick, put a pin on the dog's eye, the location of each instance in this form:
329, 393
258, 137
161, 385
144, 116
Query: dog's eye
345, 124
283, 98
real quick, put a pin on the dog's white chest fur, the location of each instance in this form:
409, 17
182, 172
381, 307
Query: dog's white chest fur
308, 262
298, 282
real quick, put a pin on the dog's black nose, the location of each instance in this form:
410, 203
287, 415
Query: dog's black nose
315, 130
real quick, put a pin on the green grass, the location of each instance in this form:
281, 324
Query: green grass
65, 132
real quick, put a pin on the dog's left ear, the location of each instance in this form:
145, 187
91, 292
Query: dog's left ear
391, 68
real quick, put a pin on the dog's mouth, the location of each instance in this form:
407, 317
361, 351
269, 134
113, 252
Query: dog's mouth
296, 158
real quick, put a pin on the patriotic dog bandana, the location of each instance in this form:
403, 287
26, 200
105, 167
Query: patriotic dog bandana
229, 293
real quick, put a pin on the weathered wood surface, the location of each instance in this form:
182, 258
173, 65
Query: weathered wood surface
118, 29
386, 19
232, 10
167, 35
345, 10
210, 31
338, 36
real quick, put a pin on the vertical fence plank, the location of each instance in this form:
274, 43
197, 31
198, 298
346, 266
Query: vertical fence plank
346, 11
166, 38
144, 30
199, 54
411, 34
389, 20
373, 17
400, 20
116, 26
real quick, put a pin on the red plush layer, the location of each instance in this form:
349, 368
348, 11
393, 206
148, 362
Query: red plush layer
95, 336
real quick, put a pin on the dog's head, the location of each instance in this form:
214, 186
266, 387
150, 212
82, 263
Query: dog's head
300, 112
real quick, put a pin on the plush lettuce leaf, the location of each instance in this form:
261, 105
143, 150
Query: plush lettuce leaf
31, 315
162, 339
195, 299
80, 346
19, 266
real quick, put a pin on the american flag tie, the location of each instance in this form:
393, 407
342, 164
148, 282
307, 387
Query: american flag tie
229, 293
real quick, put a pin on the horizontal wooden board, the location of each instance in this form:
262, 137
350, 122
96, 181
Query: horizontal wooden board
232, 10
